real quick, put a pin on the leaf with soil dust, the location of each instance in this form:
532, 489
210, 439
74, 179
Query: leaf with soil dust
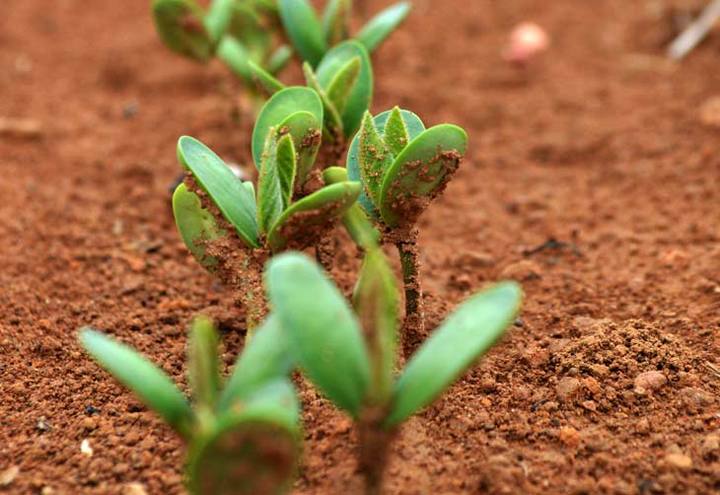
196, 225
306, 132
180, 24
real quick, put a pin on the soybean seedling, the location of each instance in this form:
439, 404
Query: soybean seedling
212, 203
352, 359
237, 32
243, 438
403, 166
312, 37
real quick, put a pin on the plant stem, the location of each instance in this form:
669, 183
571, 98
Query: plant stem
410, 262
373, 449
250, 291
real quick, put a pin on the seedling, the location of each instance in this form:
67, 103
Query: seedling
243, 438
237, 32
212, 202
351, 357
403, 166
344, 81
312, 37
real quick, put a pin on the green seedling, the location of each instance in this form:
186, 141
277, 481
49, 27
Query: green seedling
237, 32
212, 203
351, 355
313, 37
403, 166
344, 81
243, 437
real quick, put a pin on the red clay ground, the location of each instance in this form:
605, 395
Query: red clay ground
599, 147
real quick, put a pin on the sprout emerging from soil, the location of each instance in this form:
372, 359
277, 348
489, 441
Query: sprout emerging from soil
402, 167
312, 38
243, 438
212, 203
236, 32
351, 356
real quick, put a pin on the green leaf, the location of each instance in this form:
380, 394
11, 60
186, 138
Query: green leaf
218, 18
251, 450
250, 28
355, 220
396, 135
277, 109
374, 157
414, 126
222, 186
203, 366
303, 28
342, 84
420, 173
266, 358
196, 225
382, 25
306, 132
270, 194
320, 328
376, 302
333, 122
335, 21
361, 94
263, 79
304, 222
180, 25
286, 168
147, 381
279, 59
465, 336
236, 57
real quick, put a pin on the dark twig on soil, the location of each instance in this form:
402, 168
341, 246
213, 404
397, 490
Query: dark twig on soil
553, 244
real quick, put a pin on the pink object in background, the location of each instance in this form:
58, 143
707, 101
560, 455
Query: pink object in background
526, 41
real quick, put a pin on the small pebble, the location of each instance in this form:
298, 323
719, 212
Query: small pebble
85, 448
649, 382
569, 436
680, 461
567, 388
522, 271
8, 476
710, 112
20, 128
134, 488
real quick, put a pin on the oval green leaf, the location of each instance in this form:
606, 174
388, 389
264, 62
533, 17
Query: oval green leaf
321, 329
154, 388
226, 190
306, 132
180, 25
463, 338
420, 173
303, 28
196, 225
382, 25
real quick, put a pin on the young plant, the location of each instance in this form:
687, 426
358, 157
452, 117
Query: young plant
352, 359
236, 31
312, 37
344, 81
243, 438
403, 166
213, 202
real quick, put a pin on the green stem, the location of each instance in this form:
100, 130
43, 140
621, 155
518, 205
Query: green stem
410, 262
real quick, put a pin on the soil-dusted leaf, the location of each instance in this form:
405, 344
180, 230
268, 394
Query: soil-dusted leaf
265, 359
196, 225
277, 109
321, 329
306, 132
236, 57
226, 190
375, 158
203, 366
342, 84
335, 21
395, 134
420, 173
465, 336
279, 59
249, 27
376, 304
263, 79
145, 379
307, 219
218, 18
180, 25
253, 449
382, 25
270, 196
414, 126
362, 91
355, 220
333, 127
303, 28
